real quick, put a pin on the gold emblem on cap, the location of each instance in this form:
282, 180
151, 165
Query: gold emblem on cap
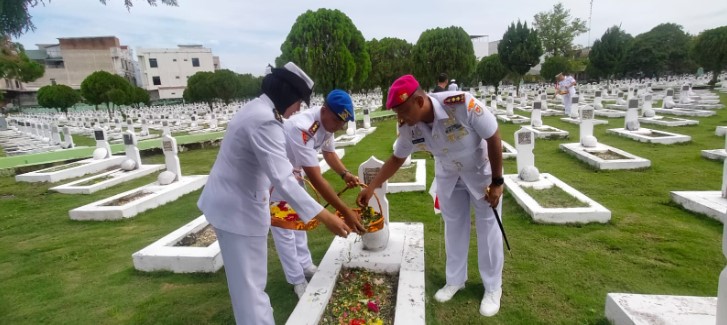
403, 97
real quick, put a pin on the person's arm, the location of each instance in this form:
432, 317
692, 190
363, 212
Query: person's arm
485, 125
269, 144
389, 169
329, 194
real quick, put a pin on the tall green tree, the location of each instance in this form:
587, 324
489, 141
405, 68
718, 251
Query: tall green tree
225, 84
663, 49
249, 86
15, 64
491, 71
103, 87
390, 59
520, 49
58, 96
15, 19
554, 65
139, 96
641, 59
447, 50
557, 29
710, 51
200, 89
327, 45
608, 53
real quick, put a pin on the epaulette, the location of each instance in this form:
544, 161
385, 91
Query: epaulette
305, 136
314, 128
456, 99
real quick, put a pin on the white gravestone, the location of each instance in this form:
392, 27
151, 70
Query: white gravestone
586, 127
193, 124
647, 110
668, 101
55, 135
378, 240
169, 146
574, 107
684, 95
213, 121
67, 138
525, 143
366, 119
47, 136
144, 127
133, 160
165, 128
493, 104
3, 123
632, 116
130, 125
509, 108
536, 119
103, 149
724, 174
351, 130
598, 101
544, 101
119, 127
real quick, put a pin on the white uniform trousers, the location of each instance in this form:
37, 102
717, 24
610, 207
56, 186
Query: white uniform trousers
567, 101
292, 247
457, 224
246, 268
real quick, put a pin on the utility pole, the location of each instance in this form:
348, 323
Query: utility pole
590, 21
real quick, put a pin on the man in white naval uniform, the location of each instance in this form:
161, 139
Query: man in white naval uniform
566, 87
463, 137
306, 133
235, 199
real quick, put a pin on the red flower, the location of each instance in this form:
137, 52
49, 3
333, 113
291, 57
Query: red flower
373, 306
367, 290
292, 217
357, 321
283, 206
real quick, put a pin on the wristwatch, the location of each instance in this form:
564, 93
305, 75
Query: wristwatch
497, 181
343, 173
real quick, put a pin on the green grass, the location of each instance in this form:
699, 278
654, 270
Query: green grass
54, 270
554, 197
405, 174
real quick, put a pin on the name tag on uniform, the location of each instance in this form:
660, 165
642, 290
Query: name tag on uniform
453, 128
415, 141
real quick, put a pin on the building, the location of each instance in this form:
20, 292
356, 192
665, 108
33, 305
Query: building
73, 59
164, 72
480, 45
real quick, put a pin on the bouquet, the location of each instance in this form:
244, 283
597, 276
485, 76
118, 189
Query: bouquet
282, 215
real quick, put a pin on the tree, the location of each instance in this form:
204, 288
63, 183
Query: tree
101, 87
16, 20
519, 49
58, 96
641, 59
665, 48
249, 86
328, 46
226, 85
139, 96
553, 66
447, 50
557, 30
15, 64
607, 54
491, 70
199, 88
710, 51
390, 59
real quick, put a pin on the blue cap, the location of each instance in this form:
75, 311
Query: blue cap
339, 102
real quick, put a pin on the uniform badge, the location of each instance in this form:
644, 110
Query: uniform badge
478, 110
305, 137
314, 128
471, 104
456, 99
277, 116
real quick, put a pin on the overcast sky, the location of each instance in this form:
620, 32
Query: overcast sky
247, 35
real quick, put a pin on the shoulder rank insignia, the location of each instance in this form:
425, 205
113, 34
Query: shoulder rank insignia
305, 136
277, 116
456, 99
471, 104
314, 128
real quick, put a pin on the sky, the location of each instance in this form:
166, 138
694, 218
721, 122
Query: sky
247, 35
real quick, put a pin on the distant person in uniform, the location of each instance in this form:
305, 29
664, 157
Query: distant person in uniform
251, 161
453, 85
441, 83
566, 87
306, 133
463, 136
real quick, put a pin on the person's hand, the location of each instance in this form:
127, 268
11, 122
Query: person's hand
352, 221
351, 180
493, 194
334, 224
363, 198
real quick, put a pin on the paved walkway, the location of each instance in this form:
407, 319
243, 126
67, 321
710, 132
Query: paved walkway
87, 152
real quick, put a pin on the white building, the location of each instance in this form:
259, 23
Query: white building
481, 45
164, 72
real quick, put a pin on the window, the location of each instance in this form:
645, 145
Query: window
156, 80
177, 77
174, 60
153, 63
195, 62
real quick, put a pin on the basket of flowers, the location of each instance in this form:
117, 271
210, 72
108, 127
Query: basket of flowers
282, 215
370, 219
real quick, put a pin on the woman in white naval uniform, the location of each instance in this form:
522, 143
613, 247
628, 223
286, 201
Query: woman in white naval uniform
235, 199
567, 88
306, 133
463, 137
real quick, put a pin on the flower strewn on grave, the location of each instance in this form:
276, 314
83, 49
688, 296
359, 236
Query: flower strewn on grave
362, 297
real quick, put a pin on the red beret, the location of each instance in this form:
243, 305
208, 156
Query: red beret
401, 90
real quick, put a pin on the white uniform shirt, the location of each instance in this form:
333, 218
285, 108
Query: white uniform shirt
452, 87
567, 83
252, 158
305, 135
456, 139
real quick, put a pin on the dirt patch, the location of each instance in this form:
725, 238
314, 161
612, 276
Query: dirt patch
202, 238
59, 168
608, 155
126, 199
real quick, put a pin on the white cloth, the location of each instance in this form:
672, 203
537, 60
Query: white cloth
452, 87
305, 135
246, 269
462, 172
235, 201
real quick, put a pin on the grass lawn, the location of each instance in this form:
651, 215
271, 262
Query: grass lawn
554, 197
55, 270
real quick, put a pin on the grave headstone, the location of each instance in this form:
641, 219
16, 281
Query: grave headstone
574, 107
536, 119
632, 116
586, 127
55, 135
169, 146
118, 124
3, 123
103, 149
366, 119
165, 128
67, 138
598, 100
668, 101
351, 130
525, 143
648, 110
213, 121
144, 127
132, 152
366, 171
510, 106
